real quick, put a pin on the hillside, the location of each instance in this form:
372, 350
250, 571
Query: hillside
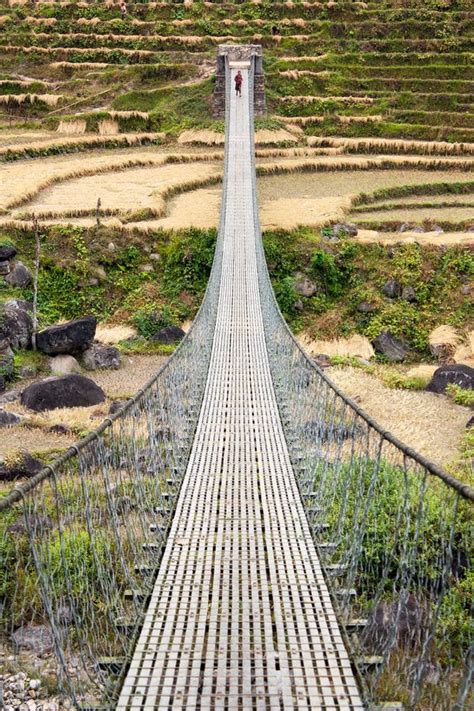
107, 136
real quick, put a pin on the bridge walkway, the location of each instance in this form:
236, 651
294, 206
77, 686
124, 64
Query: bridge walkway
240, 616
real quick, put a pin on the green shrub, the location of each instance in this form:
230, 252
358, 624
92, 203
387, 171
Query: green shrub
149, 320
460, 396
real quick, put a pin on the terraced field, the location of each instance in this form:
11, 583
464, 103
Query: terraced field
391, 80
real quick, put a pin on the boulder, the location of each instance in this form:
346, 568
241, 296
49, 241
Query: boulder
390, 347
344, 229
168, 335
7, 252
60, 429
459, 374
6, 359
64, 365
26, 467
71, 338
37, 639
28, 371
68, 391
322, 360
8, 418
16, 324
100, 356
4, 268
304, 286
20, 276
365, 307
409, 294
117, 405
443, 342
392, 288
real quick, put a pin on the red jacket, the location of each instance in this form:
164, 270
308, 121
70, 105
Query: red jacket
238, 80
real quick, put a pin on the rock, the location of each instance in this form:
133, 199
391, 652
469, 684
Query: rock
322, 360
459, 374
147, 268
344, 229
409, 294
26, 467
100, 273
7, 252
116, 406
304, 286
365, 307
16, 324
470, 423
34, 638
100, 356
410, 615
6, 359
392, 288
10, 396
405, 227
64, 365
390, 347
298, 305
168, 335
443, 342
60, 429
34, 684
466, 289
418, 230
155, 257
7, 419
28, 371
71, 338
20, 276
68, 391
93, 282
4, 268
111, 247
436, 228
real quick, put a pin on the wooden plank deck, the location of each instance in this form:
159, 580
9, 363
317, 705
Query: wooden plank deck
240, 616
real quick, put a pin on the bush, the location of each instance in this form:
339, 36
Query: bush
460, 396
149, 321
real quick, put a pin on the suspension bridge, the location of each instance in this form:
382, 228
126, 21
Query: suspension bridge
241, 535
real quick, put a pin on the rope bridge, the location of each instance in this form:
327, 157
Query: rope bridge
241, 535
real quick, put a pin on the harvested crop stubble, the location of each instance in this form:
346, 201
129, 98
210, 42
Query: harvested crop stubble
20, 99
392, 145
72, 144
130, 190
288, 201
418, 215
432, 425
207, 137
445, 239
309, 99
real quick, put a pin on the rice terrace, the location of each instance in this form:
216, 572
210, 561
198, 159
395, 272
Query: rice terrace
236, 355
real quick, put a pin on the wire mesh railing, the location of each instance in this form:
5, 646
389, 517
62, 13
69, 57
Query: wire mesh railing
81, 542
394, 532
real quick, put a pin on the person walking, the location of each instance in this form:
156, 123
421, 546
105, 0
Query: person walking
238, 83
123, 10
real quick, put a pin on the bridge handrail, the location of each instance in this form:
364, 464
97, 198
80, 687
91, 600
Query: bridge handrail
18, 492
464, 490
